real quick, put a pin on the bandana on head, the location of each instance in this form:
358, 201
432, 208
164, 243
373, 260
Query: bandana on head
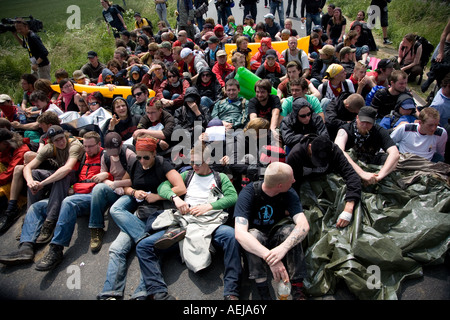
333, 70
146, 144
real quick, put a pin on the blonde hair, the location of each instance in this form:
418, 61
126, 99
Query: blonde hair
277, 173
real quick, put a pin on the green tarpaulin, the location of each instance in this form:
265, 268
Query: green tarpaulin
395, 231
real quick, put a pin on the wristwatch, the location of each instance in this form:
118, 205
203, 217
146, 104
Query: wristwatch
172, 197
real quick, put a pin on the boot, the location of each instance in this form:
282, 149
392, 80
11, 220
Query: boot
46, 232
53, 257
25, 254
96, 239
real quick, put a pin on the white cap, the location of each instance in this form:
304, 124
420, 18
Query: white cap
185, 52
4, 98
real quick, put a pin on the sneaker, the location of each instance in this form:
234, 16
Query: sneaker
264, 293
387, 41
53, 257
8, 219
25, 254
96, 239
172, 236
46, 232
230, 297
162, 296
298, 291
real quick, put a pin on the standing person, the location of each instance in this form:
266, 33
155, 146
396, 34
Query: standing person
161, 10
327, 16
383, 10
40, 65
113, 18
259, 209
277, 5
223, 11
185, 17
294, 10
313, 9
251, 8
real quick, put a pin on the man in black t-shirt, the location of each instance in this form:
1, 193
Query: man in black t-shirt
385, 99
367, 138
259, 212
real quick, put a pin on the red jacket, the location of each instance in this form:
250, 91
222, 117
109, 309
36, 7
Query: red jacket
89, 168
11, 158
181, 89
222, 71
255, 61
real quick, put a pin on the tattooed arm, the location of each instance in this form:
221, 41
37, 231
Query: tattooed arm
295, 237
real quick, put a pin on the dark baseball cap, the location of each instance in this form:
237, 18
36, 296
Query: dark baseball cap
367, 114
321, 150
55, 132
385, 63
92, 54
113, 140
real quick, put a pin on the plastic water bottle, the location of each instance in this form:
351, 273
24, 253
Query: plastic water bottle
302, 25
283, 290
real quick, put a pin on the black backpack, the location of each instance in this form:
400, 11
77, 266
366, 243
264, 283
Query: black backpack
427, 49
119, 8
217, 178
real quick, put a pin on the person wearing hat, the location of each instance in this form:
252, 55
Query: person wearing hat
271, 69
382, 73
113, 18
191, 113
93, 69
222, 69
71, 207
271, 26
367, 138
8, 109
165, 48
260, 207
320, 65
194, 60
12, 152
424, 138
405, 112
140, 22
214, 45
347, 59
337, 85
66, 152
131, 210
316, 156
385, 99
258, 58
80, 78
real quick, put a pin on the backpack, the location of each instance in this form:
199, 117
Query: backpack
325, 87
188, 178
122, 156
119, 8
286, 57
427, 49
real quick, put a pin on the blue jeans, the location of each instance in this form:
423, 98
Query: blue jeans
34, 219
278, 5
132, 229
102, 198
207, 102
71, 207
310, 17
116, 272
168, 95
223, 237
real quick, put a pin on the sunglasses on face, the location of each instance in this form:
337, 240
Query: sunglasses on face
92, 103
305, 115
139, 158
137, 94
172, 76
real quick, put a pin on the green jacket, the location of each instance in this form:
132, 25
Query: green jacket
235, 112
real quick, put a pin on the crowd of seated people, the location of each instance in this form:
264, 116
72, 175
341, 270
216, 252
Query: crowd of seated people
117, 152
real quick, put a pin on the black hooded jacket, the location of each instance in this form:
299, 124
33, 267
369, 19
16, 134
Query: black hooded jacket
292, 130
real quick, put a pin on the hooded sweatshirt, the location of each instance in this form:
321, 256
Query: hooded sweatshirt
259, 56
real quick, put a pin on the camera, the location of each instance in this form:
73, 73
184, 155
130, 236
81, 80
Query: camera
7, 24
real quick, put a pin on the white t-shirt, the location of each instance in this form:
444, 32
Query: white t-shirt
199, 189
410, 140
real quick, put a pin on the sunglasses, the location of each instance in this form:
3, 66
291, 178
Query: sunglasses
139, 158
195, 164
172, 76
92, 103
305, 115
137, 94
